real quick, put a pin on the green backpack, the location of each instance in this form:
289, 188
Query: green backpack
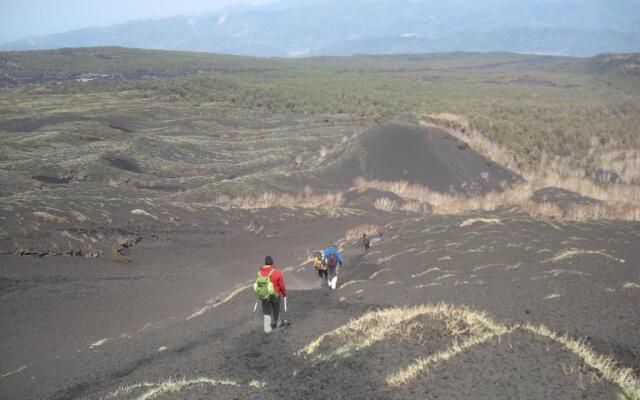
263, 287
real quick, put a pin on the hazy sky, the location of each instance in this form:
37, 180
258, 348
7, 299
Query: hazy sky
21, 18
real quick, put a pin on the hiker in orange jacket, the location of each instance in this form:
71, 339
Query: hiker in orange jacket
271, 305
319, 266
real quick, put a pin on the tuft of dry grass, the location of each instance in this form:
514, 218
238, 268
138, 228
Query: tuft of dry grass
174, 385
330, 203
385, 204
631, 285
558, 272
98, 343
472, 221
269, 200
48, 217
388, 205
570, 253
434, 269
428, 285
628, 393
15, 371
378, 272
216, 302
143, 213
617, 201
118, 257
346, 284
357, 232
416, 207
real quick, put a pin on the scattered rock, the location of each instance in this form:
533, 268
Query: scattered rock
127, 242
94, 253
25, 251
144, 213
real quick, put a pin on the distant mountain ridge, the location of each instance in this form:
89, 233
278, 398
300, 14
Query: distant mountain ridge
536, 41
331, 27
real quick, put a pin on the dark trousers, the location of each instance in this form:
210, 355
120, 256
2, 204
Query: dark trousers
327, 274
271, 306
324, 274
332, 271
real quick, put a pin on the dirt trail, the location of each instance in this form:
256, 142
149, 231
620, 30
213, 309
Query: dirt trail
61, 313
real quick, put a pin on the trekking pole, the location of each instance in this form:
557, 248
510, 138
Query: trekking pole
285, 304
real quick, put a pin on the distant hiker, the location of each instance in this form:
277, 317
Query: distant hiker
318, 264
317, 260
270, 289
381, 232
332, 258
366, 242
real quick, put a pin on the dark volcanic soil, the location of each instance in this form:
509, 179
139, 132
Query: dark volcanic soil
432, 158
69, 335
173, 275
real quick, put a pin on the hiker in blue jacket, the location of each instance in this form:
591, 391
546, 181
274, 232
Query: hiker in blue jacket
332, 258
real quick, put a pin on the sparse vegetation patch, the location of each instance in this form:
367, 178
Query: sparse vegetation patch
152, 390
570, 253
467, 329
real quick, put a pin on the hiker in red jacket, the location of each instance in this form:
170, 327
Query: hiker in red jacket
271, 304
